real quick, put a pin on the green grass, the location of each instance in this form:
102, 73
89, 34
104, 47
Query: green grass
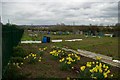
104, 45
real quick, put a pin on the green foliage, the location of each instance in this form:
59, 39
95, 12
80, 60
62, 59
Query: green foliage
40, 53
32, 58
16, 59
65, 67
19, 52
13, 73
11, 36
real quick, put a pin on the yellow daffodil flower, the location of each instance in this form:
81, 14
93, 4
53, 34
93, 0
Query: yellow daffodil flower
96, 62
63, 59
26, 56
105, 75
88, 65
103, 65
98, 58
39, 60
17, 63
108, 72
94, 77
100, 70
59, 50
68, 78
78, 58
69, 55
82, 68
39, 57
111, 75
68, 62
60, 60
34, 57
29, 54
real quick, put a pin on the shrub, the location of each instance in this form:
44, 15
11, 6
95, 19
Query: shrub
19, 52
13, 73
16, 60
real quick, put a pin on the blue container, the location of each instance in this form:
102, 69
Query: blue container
44, 40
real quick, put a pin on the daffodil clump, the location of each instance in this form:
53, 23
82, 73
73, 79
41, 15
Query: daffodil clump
18, 65
43, 49
71, 58
96, 70
66, 62
33, 58
58, 53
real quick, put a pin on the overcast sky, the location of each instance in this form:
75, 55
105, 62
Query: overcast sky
60, 11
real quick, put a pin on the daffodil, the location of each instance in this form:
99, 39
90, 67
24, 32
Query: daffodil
69, 55
59, 50
93, 62
13, 63
111, 75
96, 62
29, 54
88, 65
73, 60
63, 59
68, 78
26, 56
94, 77
98, 58
39, 60
18, 66
100, 70
78, 58
103, 65
68, 62
17, 63
106, 67
8, 63
34, 57
60, 60
108, 72
100, 64
91, 70
44, 48
105, 75
82, 68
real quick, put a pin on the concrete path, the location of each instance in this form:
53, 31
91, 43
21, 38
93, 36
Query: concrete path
30, 42
59, 40
105, 59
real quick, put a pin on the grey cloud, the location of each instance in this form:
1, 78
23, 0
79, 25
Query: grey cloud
56, 12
